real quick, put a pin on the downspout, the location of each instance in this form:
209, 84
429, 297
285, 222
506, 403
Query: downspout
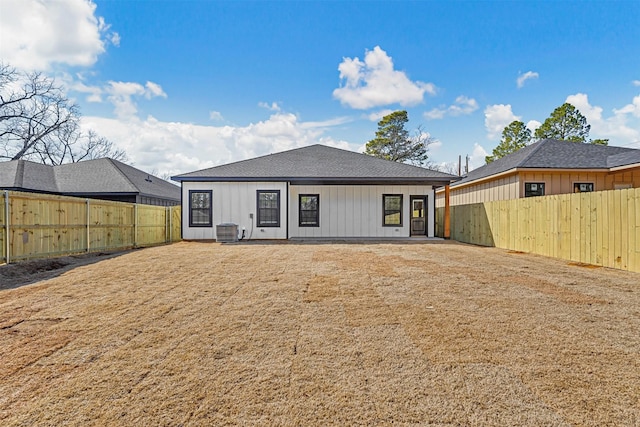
287, 210
183, 210
447, 211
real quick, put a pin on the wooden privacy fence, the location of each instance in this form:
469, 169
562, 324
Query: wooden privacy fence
40, 225
601, 228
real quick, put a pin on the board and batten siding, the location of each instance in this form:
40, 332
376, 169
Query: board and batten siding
504, 188
232, 203
555, 181
562, 182
356, 210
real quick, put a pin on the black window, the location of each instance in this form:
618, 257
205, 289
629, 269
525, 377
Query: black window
582, 187
532, 189
268, 208
200, 208
309, 206
392, 209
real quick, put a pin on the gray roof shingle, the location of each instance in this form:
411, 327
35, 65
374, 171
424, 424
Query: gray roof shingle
317, 162
106, 176
555, 154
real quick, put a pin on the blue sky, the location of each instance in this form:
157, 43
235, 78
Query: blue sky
184, 85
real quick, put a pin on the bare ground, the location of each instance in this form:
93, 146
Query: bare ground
323, 334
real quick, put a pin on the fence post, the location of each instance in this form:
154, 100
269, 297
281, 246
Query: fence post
135, 225
6, 224
88, 220
168, 223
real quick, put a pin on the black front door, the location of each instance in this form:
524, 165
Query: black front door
418, 215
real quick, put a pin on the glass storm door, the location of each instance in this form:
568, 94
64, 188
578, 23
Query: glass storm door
418, 215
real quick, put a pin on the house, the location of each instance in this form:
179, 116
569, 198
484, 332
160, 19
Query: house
311, 192
548, 167
105, 179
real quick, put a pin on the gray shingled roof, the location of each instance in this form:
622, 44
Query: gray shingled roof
317, 163
554, 154
624, 159
106, 176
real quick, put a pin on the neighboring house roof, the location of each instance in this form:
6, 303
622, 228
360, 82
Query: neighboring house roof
98, 176
555, 154
319, 163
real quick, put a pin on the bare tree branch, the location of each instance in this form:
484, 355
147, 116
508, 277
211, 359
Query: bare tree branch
39, 123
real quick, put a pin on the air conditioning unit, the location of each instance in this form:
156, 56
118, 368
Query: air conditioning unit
227, 233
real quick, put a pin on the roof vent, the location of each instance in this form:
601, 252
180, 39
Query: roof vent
227, 233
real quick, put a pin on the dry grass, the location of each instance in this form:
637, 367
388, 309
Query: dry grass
327, 334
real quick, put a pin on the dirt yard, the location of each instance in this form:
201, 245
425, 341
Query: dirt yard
321, 334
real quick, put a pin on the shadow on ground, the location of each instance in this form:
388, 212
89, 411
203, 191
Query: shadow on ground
24, 273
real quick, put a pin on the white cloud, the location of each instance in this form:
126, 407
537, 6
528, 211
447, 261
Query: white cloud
633, 108
274, 106
174, 147
215, 115
621, 127
496, 118
121, 95
94, 92
477, 157
462, 106
38, 34
522, 78
376, 116
636, 82
374, 83
532, 125
326, 123
152, 90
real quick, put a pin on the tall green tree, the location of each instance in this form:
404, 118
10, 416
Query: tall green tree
393, 141
514, 137
566, 123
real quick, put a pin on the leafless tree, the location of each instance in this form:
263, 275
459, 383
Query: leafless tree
39, 123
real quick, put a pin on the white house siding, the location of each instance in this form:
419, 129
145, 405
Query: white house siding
232, 203
356, 210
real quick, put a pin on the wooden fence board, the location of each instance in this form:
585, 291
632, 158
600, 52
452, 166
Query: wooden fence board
600, 228
631, 236
3, 230
43, 225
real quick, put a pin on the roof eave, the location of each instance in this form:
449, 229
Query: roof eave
324, 180
624, 167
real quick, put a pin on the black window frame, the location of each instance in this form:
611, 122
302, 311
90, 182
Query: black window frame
577, 189
386, 211
534, 193
317, 211
209, 223
259, 210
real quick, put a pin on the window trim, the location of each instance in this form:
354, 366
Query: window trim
576, 186
258, 220
210, 216
543, 184
384, 211
317, 210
